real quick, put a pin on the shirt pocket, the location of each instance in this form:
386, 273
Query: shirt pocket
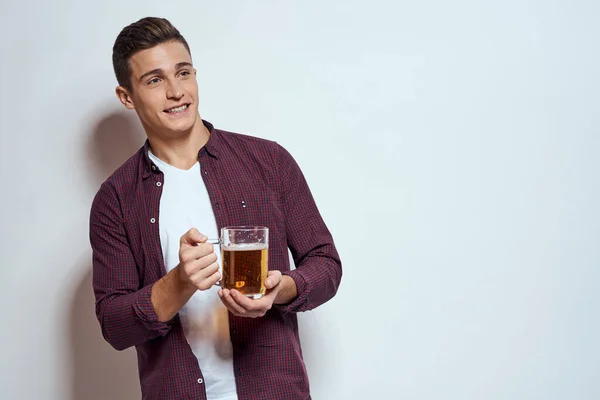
255, 207
261, 207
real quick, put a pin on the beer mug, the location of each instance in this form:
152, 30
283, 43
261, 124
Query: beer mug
244, 257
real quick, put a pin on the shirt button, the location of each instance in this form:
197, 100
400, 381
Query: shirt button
152, 220
154, 168
200, 380
158, 184
205, 172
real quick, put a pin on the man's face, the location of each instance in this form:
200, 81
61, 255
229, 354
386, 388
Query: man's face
164, 89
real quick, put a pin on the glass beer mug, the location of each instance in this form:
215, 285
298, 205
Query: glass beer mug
244, 256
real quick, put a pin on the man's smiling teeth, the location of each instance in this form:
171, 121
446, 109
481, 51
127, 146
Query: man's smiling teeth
177, 109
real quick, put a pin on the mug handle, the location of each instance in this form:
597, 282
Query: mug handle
216, 242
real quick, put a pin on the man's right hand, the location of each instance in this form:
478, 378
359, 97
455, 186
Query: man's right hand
198, 266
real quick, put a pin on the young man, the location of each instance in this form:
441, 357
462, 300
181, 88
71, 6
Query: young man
154, 274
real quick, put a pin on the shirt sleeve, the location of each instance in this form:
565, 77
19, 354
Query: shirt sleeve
123, 308
318, 267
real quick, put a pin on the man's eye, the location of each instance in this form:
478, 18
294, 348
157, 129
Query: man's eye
185, 73
153, 81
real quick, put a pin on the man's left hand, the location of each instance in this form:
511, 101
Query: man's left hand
243, 306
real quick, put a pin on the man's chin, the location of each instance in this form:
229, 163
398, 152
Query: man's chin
179, 126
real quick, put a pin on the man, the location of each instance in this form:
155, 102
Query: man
154, 273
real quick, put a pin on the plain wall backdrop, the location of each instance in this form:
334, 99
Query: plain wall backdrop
452, 147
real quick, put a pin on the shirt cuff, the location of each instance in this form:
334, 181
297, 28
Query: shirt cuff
302, 300
145, 312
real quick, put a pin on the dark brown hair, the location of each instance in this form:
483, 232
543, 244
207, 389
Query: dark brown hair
141, 35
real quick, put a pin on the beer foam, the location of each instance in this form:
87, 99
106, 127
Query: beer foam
245, 247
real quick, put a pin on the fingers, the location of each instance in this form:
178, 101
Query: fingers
203, 277
242, 306
231, 304
207, 277
192, 237
198, 261
246, 303
189, 254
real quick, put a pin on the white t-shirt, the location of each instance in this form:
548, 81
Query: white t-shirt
185, 204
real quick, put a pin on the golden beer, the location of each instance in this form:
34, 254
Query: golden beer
245, 268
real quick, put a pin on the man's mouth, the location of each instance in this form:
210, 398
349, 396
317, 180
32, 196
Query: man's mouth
177, 110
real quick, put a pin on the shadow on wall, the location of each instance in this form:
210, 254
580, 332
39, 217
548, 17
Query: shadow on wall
99, 371
112, 141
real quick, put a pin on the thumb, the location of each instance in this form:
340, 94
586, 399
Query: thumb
273, 279
192, 237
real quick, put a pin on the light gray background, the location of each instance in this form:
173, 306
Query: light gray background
452, 147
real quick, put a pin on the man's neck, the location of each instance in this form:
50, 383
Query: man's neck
180, 151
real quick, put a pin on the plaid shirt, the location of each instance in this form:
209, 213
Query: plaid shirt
250, 181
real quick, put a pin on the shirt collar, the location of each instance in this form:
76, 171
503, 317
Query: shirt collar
211, 148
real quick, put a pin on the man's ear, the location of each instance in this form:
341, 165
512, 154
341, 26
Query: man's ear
125, 97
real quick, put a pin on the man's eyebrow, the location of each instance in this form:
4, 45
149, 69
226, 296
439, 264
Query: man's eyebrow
156, 71
159, 71
183, 64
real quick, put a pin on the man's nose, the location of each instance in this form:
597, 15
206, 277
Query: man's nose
174, 91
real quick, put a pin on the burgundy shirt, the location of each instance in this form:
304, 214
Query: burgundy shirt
250, 181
